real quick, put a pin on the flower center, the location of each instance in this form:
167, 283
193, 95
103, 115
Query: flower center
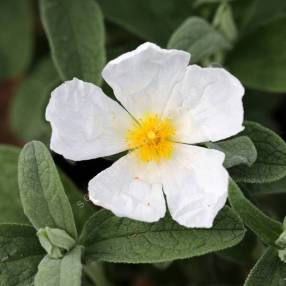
152, 138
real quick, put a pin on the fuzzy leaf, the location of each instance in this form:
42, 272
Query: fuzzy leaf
9, 191
20, 253
28, 107
55, 241
270, 165
61, 272
113, 239
239, 150
42, 194
259, 59
16, 37
266, 228
268, 271
199, 38
75, 32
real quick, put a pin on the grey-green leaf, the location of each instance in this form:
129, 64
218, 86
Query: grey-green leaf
61, 272
259, 59
199, 38
76, 35
113, 239
20, 253
42, 194
9, 191
270, 165
266, 228
268, 271
55, 241
30, 103
238, 150
16, 30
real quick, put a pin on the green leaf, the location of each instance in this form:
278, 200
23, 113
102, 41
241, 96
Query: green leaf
61, 272
42, 194
9, 191
151, 20
258, 12
275, 188
76, 35
113, 239
20, 253
199, 38
30, 103
259, 59
268, 271
267, 229
270, 165
55, 241
16, 37
239, 150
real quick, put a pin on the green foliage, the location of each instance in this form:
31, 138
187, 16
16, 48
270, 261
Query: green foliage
268, 271
9, 192
61, 272
238, 150
16, 37
55, 241
113, 239
271, 156
30, 102
267, 229
42, 194
199, 38
76, 35
259, 59
151, 20
20, 253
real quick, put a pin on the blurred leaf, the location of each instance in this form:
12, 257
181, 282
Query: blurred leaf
271, 156
61, 272
151, 20
95, 272
259, 59
20, 253
259, 12
76, 35
16, 37
42, 194
113, 239
266, 228
224, 21
238, 150
268, 271
199, 38
28, 108
9, 192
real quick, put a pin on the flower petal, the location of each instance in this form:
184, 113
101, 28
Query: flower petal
128, 189
142, 80
206, 105
86, 124
196, 185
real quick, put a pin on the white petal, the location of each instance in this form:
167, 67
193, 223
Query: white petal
86, 124
128, 189
206, 105
143, 79
196, 185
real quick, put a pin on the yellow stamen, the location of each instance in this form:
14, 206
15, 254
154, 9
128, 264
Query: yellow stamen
152, 138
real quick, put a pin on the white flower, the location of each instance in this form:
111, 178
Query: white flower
168, 106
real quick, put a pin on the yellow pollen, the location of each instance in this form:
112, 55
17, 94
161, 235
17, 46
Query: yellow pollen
152, 138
